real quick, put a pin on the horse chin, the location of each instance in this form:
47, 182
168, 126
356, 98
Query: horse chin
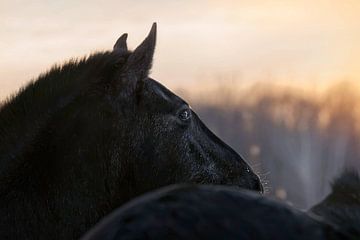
258, 188
250, 185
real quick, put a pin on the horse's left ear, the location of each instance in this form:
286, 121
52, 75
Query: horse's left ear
120, 45
139, 62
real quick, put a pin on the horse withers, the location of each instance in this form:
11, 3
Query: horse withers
89, 135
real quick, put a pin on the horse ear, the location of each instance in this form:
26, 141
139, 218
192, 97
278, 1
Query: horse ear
139, 62
120, 45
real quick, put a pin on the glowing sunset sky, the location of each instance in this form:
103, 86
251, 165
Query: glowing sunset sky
300, 41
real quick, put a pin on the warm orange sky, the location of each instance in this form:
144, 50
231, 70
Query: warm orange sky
299, 41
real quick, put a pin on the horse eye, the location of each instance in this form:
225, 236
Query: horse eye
185, 115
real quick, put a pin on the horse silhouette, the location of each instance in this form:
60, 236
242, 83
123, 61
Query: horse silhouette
89, 135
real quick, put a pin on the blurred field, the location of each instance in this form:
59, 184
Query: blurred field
296, 138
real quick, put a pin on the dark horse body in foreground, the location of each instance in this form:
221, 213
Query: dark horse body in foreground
88, 136
184, 212
219, 212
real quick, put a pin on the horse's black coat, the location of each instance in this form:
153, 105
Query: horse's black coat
208, 212
342, 206
89, 135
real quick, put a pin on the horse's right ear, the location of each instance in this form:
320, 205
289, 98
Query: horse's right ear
140, 60
138, 63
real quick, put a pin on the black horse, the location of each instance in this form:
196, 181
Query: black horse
342, 206
88, 136
184, 212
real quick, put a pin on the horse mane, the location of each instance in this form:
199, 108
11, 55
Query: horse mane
26, 113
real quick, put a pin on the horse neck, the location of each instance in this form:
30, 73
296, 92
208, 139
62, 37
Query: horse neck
52, 213
26, 115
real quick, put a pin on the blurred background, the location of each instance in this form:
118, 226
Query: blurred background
277, 80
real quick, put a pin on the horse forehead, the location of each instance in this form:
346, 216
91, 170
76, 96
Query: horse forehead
162, 92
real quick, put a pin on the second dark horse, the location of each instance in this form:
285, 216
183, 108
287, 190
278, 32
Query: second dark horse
89, 135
